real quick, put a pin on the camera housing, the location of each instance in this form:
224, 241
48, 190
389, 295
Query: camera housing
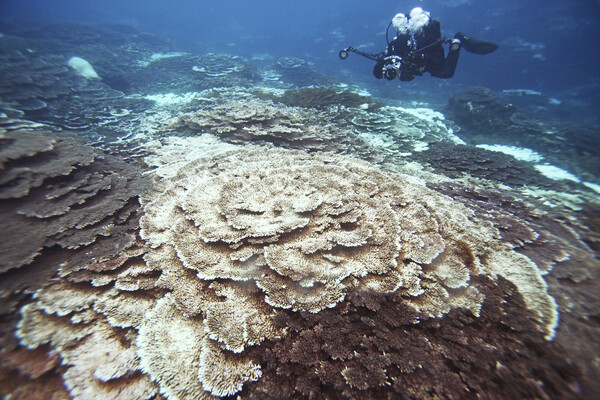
392, 67
390, 73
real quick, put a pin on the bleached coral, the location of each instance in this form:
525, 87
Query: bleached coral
292, 225
169, 346
403, 129
101, 362
83, 68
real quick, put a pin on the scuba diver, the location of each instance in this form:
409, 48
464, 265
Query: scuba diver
418, 48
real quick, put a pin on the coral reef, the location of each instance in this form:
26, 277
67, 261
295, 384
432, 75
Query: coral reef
273, 273
220, 65
66, 209
459, 160
584, 143
290, 62
308, 243
324, 97
373, 136
291, 127
56, 210
564, 248
402, 131
10, 120
48, 91
485, 119
39, 83
477, 109
297, 72
183, 73
38, 80
355, 352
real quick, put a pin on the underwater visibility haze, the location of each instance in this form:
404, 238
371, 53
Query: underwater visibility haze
204, 200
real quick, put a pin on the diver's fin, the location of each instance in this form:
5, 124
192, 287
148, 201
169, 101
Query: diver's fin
476, 46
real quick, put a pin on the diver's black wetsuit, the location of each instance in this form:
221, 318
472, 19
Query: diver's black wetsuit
431, 60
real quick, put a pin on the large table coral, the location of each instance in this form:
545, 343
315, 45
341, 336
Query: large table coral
251, 238
273, 273
246, 121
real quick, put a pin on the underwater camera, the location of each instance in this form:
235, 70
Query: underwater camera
392, 67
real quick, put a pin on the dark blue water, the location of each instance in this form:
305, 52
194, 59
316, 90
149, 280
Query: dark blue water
546, 46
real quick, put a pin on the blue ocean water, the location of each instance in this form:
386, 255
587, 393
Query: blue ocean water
550, 47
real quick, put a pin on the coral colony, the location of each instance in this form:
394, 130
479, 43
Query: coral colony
245, 236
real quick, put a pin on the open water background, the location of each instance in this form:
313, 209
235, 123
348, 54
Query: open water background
549, 47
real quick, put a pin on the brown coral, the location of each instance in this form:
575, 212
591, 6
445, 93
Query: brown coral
457, 160
58, 194
352, 352
68, 210
67, 195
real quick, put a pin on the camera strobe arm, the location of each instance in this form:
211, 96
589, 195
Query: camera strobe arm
344, 53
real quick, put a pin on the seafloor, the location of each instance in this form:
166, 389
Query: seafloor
187, 226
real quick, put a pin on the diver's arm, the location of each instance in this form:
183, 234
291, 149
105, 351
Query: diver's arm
378, 69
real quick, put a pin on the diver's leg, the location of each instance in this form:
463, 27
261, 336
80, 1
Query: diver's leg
475, 46
449, 63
